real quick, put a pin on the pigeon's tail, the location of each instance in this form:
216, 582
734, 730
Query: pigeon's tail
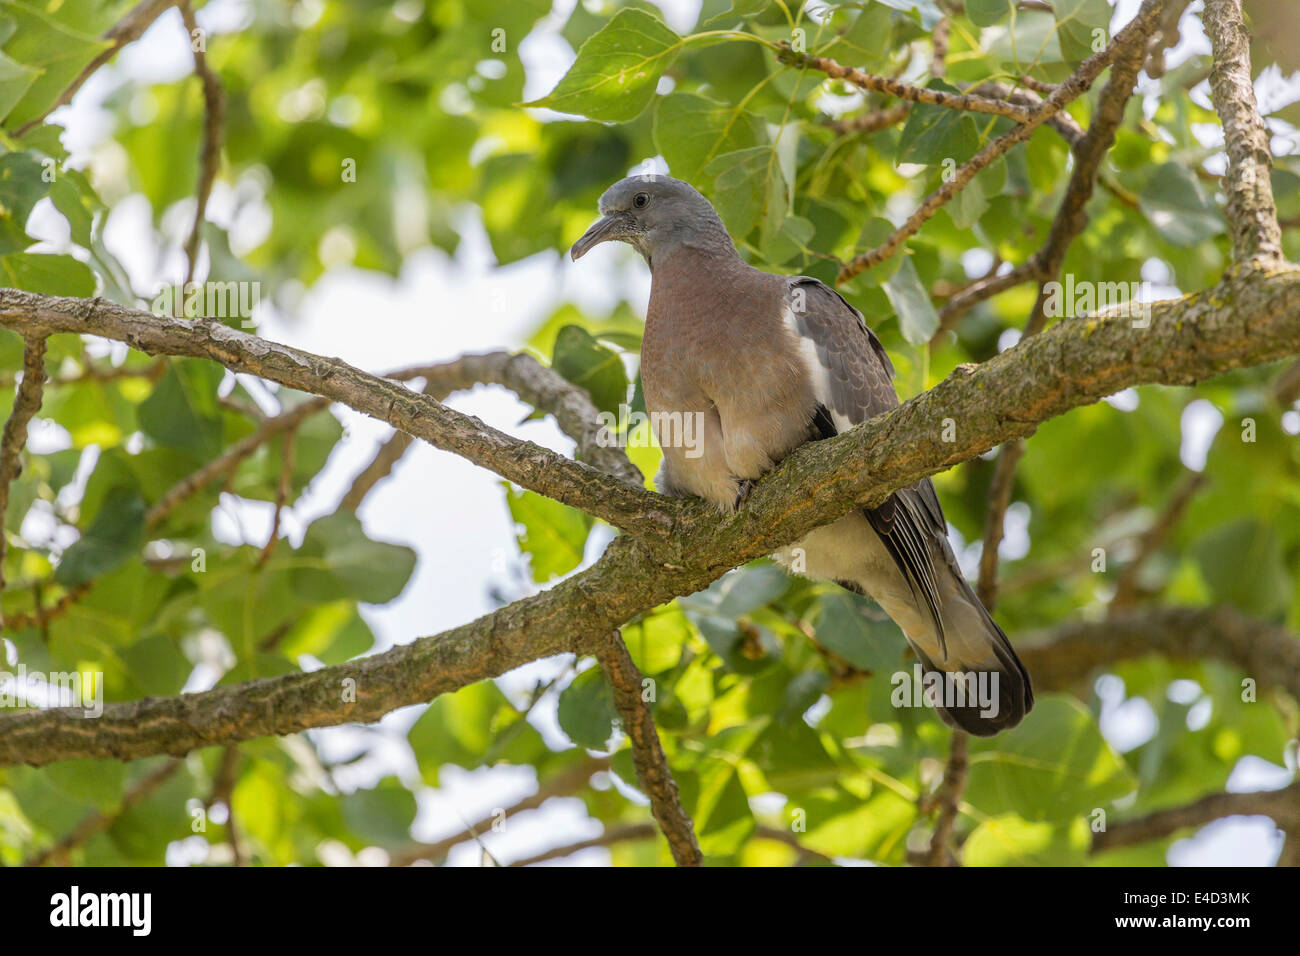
972, 675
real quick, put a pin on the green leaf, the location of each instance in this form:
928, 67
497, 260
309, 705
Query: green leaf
1008, 840
1176, 205
1244, 565
554, 535
875, 232
928, 10
332, 633
1082, 26
374, 572
382, 816
656, 641
586, 710
182, 411
58, 51
48, 274
1054, 766
935, 134
843, 825
723, 818
691, 130
590, 365
113, 537
740, 9
842, 626
985, 13
94, 781
747, 589
916, 314
617, 69
143, 832
1029, 41
749, 189
72, 203
157, 666
968, 205
15, 80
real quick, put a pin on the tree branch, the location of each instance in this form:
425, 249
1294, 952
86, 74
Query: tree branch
870, 122
27, 402
214, 115
561, 785
872, 83
1132, 36
630, 508
652, 769
1075, 651
1252, 216
626, 833
1245, 320
229, 459
1282, 805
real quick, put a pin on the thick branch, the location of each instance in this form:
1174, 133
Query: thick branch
1252, 216
630, 508
1246, 320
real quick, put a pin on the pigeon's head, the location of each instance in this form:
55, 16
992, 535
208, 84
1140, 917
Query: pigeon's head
654, 214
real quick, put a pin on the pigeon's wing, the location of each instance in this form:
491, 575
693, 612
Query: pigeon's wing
853, 381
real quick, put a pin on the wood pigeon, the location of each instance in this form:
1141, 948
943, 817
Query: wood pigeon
764, 363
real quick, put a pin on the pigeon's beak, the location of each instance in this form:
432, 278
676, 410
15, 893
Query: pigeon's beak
613, 226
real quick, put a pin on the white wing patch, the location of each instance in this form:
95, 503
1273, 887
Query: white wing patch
818, 374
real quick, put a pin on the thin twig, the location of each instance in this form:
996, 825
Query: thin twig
214, 101
223, 788
985, 288
652, 768
1004, 479
1126, 588
281, 495
1282, 805
870, 122
225, 463
626, 833
1133, 34
939, 38
27, 402
897, 88
561, 785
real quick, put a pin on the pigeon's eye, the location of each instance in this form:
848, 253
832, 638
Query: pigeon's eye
640, 200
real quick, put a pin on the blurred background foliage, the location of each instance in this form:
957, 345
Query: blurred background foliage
765, 698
